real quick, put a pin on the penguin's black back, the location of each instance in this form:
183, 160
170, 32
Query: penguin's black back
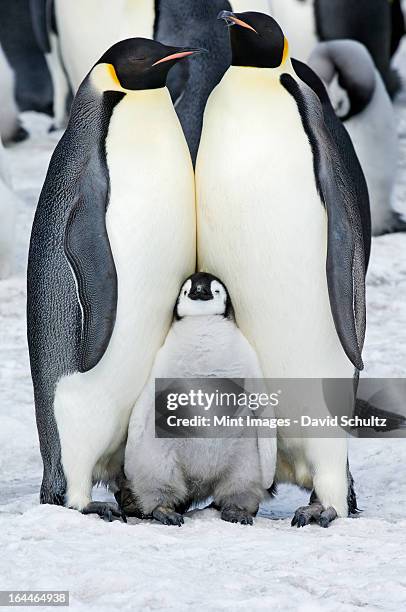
194, 24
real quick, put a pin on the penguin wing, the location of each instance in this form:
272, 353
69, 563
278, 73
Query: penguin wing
88, 251
339, 191
345, 147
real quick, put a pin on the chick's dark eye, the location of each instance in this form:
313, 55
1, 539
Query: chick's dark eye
185, 293
217, 291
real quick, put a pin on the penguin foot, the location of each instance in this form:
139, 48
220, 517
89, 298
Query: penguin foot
167, 516
108, 512
313, 513
232, 514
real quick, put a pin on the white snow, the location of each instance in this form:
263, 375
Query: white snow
207, 564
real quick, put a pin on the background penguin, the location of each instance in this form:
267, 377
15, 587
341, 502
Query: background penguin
87, 28
33, 86
46, 33
277, 207
368, 21
361, 101
204, 342
8, 203
10, 127
113, 236
194, 23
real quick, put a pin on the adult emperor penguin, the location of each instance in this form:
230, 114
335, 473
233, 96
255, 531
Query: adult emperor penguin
100, 23
113, 236
374, 23
279, 221
363, 104
165, 476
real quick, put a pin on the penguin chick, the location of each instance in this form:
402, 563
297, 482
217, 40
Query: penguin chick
166, 475
359, 97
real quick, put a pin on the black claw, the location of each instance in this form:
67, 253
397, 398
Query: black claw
324, 522
302, 521
235, 515
168, 517
108, 512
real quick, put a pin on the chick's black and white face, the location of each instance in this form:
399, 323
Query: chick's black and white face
202, 295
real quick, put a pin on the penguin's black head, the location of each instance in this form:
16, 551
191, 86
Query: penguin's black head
203, 294
256, 40
140, 63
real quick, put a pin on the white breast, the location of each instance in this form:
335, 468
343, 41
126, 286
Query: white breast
261, 226
151, 227
87, 29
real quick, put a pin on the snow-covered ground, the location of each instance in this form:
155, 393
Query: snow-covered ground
208, 564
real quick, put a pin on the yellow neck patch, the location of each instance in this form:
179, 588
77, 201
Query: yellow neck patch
285, 51
104, 77
113, 74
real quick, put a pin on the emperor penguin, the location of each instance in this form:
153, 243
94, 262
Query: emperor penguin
113, 237
33, 85
8, 204
361, 101
86, 29
374, 23
166, 475
281, 204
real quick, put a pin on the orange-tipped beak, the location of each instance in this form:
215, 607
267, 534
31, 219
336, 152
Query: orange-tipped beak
232, 19
177, 56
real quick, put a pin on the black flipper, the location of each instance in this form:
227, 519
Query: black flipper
88, 251
338, 191
340, 135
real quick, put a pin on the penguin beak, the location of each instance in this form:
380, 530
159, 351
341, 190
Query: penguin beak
200, 293
174, 57
231, 20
